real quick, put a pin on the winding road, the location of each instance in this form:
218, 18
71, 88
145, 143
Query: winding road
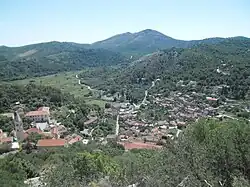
146, 94
88, 87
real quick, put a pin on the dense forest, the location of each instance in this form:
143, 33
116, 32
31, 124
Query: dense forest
225, 65
32, 96
208, 153
50, 58
53, 57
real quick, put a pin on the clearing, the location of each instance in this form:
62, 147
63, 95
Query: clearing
66, 82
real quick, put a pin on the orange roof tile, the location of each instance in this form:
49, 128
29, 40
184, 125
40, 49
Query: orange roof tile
76, 139
51, 143
34, 130
37, 113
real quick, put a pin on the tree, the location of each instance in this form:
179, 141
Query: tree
107, 105
34, 137
83, 169
219, 148
6, 124
15, 170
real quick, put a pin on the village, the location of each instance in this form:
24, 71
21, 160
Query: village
178, 109
48, 133
132, 129
181, 111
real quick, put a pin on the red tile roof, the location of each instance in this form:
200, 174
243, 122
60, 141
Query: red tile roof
37, 113
51, 143
46, 109
76, 139
211, 99
34, 130
139, 145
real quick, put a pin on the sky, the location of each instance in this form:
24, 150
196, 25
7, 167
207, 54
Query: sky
25, 22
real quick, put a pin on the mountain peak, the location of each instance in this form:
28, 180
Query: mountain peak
147, 41
149, 31
146, 31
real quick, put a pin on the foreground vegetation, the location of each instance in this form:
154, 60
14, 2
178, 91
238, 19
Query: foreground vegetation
208, 153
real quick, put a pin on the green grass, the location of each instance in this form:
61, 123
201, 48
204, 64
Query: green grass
66, 82
98, 102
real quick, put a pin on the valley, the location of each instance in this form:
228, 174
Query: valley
115, 110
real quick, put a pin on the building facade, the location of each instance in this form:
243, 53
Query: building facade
38, 116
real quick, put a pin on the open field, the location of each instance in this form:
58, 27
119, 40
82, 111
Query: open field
66, 82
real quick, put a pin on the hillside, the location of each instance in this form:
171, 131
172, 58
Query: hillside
146, 41
224, 66
52, 57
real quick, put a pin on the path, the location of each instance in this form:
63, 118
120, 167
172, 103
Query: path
88, 87
117, 125
145, 97
178, 132
146, 94
91, 132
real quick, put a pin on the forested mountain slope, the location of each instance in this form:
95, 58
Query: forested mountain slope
226, 65
52, 57
147, 41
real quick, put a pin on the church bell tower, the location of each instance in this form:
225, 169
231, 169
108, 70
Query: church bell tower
18, 127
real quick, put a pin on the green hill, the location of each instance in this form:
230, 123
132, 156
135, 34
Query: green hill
147, 41
225, 65
52, 57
